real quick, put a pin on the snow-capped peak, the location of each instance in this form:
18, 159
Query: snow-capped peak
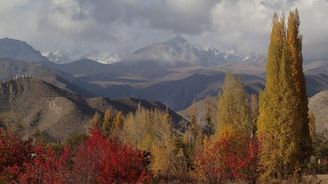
231, 52
179, 42
254, 58
104, 57
58, 57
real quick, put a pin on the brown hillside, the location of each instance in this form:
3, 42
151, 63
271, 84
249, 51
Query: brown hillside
34, 108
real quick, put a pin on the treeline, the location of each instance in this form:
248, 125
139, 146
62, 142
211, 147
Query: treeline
265, 139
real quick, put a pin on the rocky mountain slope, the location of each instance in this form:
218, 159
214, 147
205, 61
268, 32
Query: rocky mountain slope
36, 108
12, 68
318, 104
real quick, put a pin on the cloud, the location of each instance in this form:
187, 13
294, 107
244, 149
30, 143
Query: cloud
125, 25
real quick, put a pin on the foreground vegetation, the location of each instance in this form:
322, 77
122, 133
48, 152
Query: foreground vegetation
270, 139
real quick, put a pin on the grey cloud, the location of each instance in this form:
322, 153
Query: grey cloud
126, 25
162, 14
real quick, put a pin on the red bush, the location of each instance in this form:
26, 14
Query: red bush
13, 153
46, 167
102, 160
232, 157
97, 160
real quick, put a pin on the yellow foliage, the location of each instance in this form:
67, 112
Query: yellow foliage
152, 131
282, 125
233, 108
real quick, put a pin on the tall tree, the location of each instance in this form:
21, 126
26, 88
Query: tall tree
163, 149
151, 131
192, 137
294, 40
233, 109
280, 128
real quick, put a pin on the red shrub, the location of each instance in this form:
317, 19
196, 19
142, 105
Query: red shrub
102, 160
13, 153
232, 157
46, 167
97, 160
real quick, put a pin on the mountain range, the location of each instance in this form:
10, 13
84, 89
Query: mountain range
49, 95
19, 50
174, 72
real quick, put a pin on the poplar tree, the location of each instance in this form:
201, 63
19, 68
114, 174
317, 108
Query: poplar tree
192, 137
233, 109
294, 40
281, 129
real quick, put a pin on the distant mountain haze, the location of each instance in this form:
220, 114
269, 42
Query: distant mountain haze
19, 50
173, 72
58, 57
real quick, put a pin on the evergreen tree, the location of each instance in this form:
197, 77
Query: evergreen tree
280, 129
233, 109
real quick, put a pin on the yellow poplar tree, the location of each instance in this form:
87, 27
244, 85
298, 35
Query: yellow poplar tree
294, 41
150, 130
280, 127
233, 109
193, 137
118, 123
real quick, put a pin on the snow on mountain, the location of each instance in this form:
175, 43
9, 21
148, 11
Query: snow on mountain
179, 50
104, 57
254, 58
58, 57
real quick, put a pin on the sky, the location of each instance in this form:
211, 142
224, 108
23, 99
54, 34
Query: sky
80, 27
